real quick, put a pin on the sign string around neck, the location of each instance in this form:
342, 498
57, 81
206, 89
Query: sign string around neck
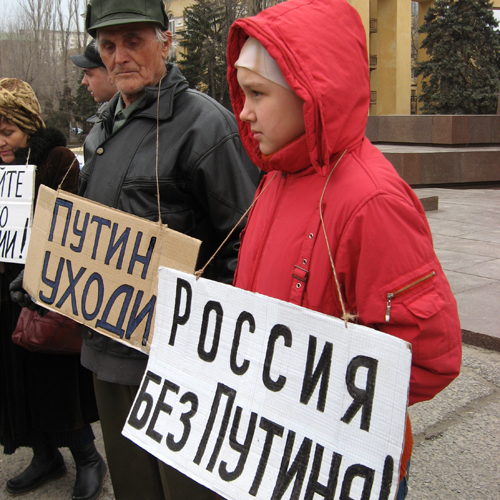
157, 148
345, 315
199, 273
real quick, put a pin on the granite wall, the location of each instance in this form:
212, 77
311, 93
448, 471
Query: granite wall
440, 149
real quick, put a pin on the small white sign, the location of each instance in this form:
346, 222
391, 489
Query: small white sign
17, 187
259, 398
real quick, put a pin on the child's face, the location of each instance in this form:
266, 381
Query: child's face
274, 113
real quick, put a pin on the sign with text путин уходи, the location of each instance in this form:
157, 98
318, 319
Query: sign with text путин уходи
99, 265
17, 188
259, 398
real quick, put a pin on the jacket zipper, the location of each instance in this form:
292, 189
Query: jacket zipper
391, 295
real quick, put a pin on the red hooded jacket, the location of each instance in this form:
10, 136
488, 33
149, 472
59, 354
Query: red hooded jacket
375, 226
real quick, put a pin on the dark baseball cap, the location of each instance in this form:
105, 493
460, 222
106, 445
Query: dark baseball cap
102, 13
89, 59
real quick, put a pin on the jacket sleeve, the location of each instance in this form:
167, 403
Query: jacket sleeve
396, 285
224, 183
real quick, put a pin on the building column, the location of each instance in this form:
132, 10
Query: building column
363, 8
394, 57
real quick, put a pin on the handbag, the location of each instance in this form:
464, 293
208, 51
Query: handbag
51, 334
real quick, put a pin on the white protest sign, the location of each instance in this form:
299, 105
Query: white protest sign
259, 398
99, 266
17, 187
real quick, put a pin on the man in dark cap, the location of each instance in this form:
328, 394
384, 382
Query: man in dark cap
205, 180
95, 75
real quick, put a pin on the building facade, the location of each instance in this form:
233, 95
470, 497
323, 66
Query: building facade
388, 25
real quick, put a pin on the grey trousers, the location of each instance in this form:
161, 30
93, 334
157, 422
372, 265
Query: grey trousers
134, 472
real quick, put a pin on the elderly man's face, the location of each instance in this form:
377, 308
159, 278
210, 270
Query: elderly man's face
133, 56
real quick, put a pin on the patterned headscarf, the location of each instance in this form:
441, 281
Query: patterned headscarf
18, 104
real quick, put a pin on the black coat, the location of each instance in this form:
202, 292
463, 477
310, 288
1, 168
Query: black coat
40, 392
205, 181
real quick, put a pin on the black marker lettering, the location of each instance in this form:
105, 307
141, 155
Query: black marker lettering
297, 469
276, 332
120, 244
127, 291
242, 318
69, 206
272, 429
52, 284
210, 306
19, 183
185, 418
97, 278
81, 233
353, 471
71, 288
100, 222
322, 371
313, 486
147, 399
385, 488
135, 319
161, 406
4, 216
242, 448
7, 244
179, 319
145, 260
231, 395
362, 398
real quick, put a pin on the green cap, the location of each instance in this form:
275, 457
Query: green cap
101, 13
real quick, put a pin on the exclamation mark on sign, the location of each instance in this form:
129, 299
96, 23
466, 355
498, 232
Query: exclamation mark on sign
25, 235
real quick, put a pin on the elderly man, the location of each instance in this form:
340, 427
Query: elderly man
95, 75
205, 180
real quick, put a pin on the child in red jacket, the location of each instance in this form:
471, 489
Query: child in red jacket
334, 228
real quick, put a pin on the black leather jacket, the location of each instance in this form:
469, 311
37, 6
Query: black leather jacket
206, 183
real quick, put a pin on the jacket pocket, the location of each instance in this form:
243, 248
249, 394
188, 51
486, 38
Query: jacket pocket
425, 305
416, 284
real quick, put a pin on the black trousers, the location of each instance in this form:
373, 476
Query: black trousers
134, 472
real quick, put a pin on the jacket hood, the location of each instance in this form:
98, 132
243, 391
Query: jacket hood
320, 47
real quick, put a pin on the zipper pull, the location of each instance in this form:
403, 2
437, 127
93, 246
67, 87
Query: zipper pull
390, 296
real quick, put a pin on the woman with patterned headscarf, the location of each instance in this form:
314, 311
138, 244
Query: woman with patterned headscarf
46, 400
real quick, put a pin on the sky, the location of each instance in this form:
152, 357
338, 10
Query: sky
8, 6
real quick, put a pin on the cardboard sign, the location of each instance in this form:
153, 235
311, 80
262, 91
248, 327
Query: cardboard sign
258, 398
99, 265
17, 188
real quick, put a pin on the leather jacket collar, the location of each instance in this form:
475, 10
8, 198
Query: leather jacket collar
172, 83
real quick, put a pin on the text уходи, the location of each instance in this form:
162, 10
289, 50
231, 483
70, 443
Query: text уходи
99, 266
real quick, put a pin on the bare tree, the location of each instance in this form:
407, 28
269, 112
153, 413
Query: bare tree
77, 8
35, 46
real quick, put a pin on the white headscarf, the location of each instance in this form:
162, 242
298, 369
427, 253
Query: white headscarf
254, 56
